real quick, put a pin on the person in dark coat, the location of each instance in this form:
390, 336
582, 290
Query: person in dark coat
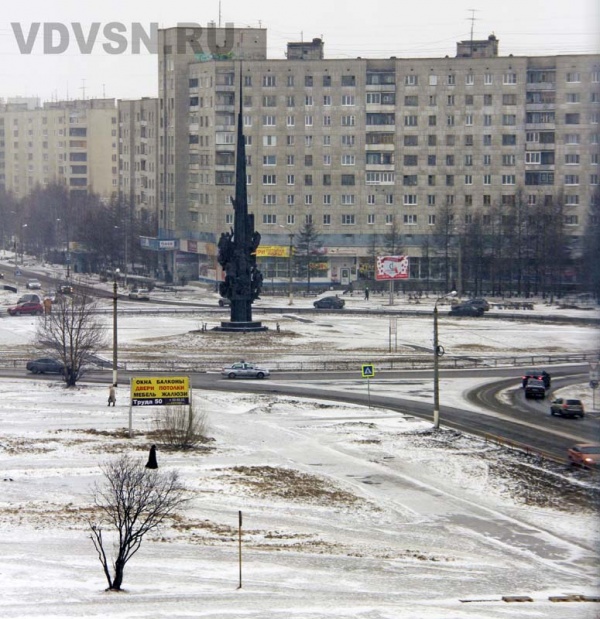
152, 463
112, 395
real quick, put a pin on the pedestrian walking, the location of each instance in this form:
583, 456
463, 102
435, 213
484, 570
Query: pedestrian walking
152, 462
366, 294
112, 395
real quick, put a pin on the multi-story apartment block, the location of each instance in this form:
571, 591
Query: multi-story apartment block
138, 155
70, 142
362, 146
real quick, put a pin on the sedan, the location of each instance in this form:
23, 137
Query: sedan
140, 294
45, 366
585, 454
567, 407
34, 284
27, 308
464, 309
329, 303
244, 370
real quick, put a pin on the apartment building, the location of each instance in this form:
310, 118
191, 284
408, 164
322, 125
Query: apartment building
138, 155
70, 142
363, 146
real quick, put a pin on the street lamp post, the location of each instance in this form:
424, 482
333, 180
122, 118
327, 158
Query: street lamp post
114, 367
23, 243
290, 265
436, 368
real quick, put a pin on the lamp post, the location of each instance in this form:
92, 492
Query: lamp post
23, 243
436, 355
114, 368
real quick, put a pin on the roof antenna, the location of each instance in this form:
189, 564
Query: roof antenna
472, 19
219, 13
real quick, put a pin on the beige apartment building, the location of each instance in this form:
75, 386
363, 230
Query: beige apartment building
70, 142
361, 146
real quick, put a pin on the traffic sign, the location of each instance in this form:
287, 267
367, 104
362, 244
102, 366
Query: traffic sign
594, 372
594, 384
368, 371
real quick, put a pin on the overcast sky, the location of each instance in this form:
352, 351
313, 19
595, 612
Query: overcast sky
379, 28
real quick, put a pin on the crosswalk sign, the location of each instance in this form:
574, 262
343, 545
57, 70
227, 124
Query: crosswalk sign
368, 371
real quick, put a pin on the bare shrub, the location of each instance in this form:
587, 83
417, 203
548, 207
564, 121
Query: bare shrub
180, 427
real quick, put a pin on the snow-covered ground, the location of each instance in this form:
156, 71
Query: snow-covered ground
348, 512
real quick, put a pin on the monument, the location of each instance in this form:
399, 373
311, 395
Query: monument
237, 250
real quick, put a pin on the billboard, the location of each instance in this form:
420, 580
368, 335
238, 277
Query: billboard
159, 391
391, 268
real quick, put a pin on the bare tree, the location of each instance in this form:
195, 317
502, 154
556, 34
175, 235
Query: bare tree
72, 332
182, 427
133, 501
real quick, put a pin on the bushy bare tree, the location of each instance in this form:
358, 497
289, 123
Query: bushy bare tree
133, 501
181, 427
72, 332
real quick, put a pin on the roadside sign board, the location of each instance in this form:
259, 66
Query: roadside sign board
368, 370
160, 391
594, 384
594, 371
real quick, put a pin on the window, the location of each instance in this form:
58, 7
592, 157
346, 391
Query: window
431, 200
326, 219
433, 80
509, 78
308, 199
347, 199
411, 80
509, 139
469, 120
411, 160
410, 180
432, 140
410, 219
348, 80
389, 219
291, 200
431, 180
268, 121
571, 200
469, 79
431, 220
488, 79
572, 138
326, 159
487, 160
573, 97
269, 159
326, 121
290, 160
411, 101
432, 100
348, 121
348, 159
326, 100
449, 159
269, 219
487, 179
308, 81
269, 140
450, 100
308, 179
348, 100
371, 218
291, 179
269, 81
308, 140
468, 179
290, 101
327, 198
348, 220
411, 121
269, 179
269, 101
572, 159
451, 80
508, 160
573, 77
487, 120
326, 140
487, 100
410, 199
450, 140
348, 179
389, 198
308, 100
449, 180
572, 119
450, 120
431, 159
308, 120
508, 179
269, 199
571, 179
533, 157
594, 179
571, 220
290, 121
509, 119
468, 160
432, 120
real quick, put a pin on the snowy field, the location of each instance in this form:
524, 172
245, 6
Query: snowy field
348, 512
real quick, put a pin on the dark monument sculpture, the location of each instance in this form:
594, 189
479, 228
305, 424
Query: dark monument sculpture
237, 250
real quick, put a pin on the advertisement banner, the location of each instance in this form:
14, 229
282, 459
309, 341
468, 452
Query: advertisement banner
272, 251
391, 267
160, 391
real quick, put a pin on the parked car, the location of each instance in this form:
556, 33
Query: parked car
538, 375
463, 309
482, 303
535, 389
567, 407
34, 284
140, 294
329, 303
224, 302
585, 454
244, 370
28, 308
45, 366
64, 289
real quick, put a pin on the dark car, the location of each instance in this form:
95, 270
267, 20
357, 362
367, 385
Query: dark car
482, 303
463, 309
535, 389
31, 297
538, 375
64, 289
585, 454
329, 303
224, 301
45, 366
567, 407
30, 308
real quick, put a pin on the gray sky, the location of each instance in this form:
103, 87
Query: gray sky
380, 28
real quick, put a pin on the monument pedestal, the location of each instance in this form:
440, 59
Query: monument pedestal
244, 327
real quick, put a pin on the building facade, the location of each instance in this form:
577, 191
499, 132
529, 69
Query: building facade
70, 142
361, 146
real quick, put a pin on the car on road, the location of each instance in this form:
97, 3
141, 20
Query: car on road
585, 454
567, 407
29, 298
242, 369
535, 389
464, 309
224, 302
1, 275
45, 365
64, 289
34, 284
482, 303
331, 302
140, 294
31, 308
538, 375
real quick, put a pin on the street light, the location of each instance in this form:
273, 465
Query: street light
290, 264
114, 368
22, 243
437, 352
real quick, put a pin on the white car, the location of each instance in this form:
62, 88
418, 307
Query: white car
34, 284
140, 294
244, 370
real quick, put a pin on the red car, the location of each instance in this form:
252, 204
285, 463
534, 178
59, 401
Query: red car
29, 307
585, 454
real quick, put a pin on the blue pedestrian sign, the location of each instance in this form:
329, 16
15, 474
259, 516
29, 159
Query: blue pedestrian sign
368, 371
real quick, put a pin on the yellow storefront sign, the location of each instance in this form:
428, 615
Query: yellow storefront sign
157, 391
272, 251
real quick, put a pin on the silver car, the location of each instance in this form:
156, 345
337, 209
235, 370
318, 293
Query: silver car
244, 370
